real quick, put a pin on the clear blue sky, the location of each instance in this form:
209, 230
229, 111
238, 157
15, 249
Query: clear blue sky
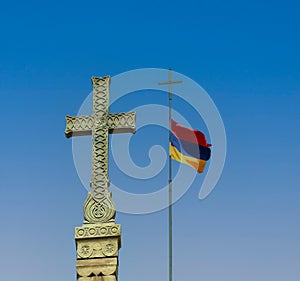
245, 54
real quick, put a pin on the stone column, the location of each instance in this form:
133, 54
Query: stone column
97, 247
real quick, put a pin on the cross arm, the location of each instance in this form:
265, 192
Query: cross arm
79, 126
122, 122
170, 82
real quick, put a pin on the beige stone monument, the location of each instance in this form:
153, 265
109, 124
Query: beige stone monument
98, 240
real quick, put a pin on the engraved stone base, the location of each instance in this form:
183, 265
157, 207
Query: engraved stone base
98, 278
97, 268
97, 248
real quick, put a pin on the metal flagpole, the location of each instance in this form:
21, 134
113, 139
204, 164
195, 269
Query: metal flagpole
170, 82
170, 186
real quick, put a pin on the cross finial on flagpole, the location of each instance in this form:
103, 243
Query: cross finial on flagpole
170, 83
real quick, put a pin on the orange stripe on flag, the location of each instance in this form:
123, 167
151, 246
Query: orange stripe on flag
197, 164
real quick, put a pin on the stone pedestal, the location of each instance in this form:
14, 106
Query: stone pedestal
97, 247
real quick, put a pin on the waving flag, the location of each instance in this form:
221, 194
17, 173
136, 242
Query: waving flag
189, 146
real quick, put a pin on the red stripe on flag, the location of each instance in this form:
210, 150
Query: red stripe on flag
187, 134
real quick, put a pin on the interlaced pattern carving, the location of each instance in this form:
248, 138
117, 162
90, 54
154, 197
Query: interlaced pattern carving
117, 123
99, 125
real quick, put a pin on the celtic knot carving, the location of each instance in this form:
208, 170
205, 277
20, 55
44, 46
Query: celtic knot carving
121, 122
99, 212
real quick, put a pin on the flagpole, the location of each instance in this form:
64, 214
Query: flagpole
170, 186
170, 82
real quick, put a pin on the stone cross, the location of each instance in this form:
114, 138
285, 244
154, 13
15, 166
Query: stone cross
99, 207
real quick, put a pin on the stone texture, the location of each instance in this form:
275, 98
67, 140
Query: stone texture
97, 247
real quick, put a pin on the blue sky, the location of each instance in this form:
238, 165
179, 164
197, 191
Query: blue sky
245, 54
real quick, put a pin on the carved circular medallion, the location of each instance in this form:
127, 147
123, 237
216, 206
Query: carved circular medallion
109, 249
103, 230
114, 230
85, 251
80, 232
92, 231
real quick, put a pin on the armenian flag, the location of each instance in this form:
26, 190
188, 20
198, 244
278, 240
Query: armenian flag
189, 146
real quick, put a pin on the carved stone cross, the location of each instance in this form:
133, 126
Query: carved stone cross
99, 206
